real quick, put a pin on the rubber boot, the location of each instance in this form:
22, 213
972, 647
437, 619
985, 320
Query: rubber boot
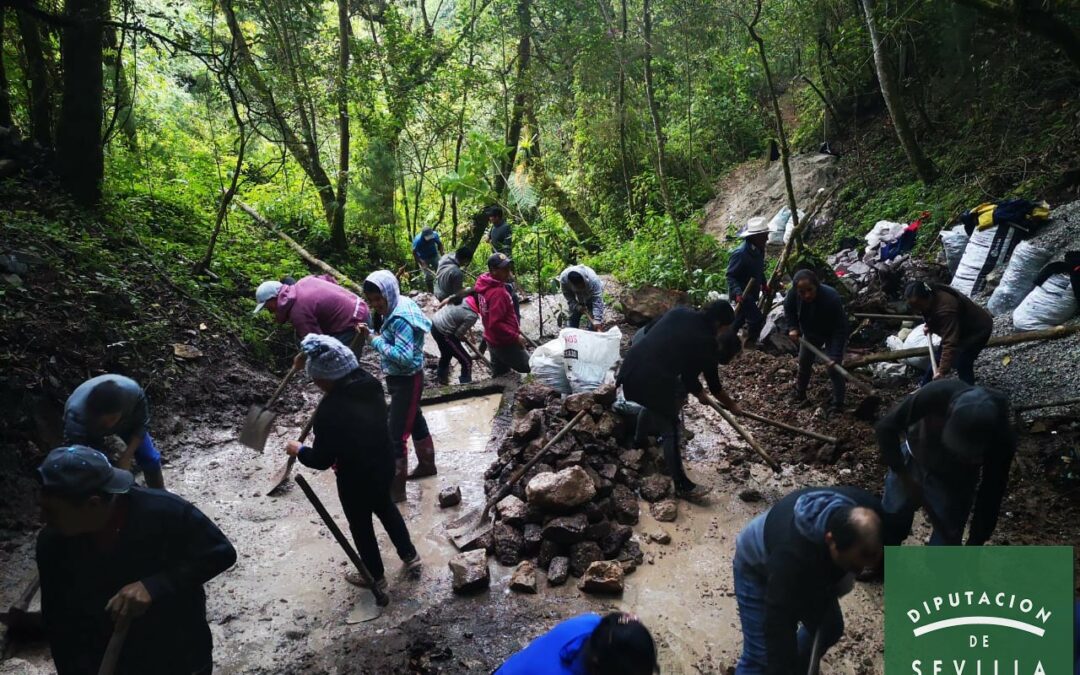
397, 485
442, 376
425, 456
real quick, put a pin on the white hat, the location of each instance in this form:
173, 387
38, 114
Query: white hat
754, 226
267, 290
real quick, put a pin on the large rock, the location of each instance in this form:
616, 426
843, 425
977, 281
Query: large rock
605, 394
609, 425
604, 577
529, 426
470, 571
666, 511
534, 395
626, 505
533, 534
560, 492
524, 578
511, 511
655, 487
575, 403
615, 540
449, 496
582, 555
509, 543
558, 570
549, 550
642, 305
632, 459
566, 529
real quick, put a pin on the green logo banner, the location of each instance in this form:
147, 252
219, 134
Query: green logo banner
978, 610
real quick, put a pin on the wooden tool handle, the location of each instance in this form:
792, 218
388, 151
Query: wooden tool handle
788, 427
829, 363
746, 436
115, 646
284, 381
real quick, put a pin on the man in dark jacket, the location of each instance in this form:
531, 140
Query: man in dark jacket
111, 552
351, 435
745, 263
450, 277
964, 328
792, 564
664, 366
934, 442
816, 314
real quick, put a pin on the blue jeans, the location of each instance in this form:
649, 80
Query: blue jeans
951, 501
750, 596
146, 455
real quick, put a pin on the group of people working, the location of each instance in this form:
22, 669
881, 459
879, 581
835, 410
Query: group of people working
113, 551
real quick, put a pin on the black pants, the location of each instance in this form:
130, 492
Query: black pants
406, 418
806, 367
749, 315
450, 347
362, 499
668, 431
503, 359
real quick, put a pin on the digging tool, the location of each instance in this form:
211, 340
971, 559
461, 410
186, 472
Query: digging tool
869, 405
815, 654
476, 352
260, 418
888, 317
741, 430
751, 286
933, 356
788, 427
465, 531
378, 597
116, 644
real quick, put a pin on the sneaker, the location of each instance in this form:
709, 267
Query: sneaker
693, 494
353, 577
413, 567
465, 378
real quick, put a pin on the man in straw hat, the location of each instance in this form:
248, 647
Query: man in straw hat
748, 262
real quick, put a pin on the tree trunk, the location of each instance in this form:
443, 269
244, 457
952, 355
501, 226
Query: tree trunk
5, 96
623, 156
337, 225
922, 165
37, 72
123, 106
554, 193
521, 87
223, 207
80, 152
1030, 16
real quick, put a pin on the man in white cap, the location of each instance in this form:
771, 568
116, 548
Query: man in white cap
314, 304
748, 262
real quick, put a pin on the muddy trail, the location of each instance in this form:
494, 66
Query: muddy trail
285, 607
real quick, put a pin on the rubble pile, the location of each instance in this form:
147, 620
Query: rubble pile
875, 285
572, 513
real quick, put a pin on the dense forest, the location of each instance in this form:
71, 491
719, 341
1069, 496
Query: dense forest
601, 127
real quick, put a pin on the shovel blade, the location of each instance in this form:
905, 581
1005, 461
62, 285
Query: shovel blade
364, 610
281, 477
468, 532
257, 426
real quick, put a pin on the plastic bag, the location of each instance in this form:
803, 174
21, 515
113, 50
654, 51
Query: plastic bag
789, 225
915, 338
548, 367
1046, 306
984, 251
778, 225
589, 357
954, 241
1019, 277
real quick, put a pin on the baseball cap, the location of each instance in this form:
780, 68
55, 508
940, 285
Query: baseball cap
267, 290
497, 260
427, 233
77, 470
977, 421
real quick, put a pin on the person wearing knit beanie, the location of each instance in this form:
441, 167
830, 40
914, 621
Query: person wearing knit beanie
327, 358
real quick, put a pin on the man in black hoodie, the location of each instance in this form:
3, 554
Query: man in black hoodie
816, 314
351, 435
792, 564
664, 366
113, 552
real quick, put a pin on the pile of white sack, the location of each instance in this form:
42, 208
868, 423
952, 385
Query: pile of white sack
578, 360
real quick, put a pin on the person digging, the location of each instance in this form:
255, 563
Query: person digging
426, 249
314, 304
964, 328
664, 366
112, 554
450, 327
450, 274
590, 644
400, 344
502, 330
114, 405
748, 262
584, 293
352, 437
936, 443
817, 315
792, 564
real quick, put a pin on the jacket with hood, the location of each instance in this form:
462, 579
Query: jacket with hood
591, 299
785, 547
449, 277
400, 343
496, 310
316, 304
350, 431
559, 651
961, 323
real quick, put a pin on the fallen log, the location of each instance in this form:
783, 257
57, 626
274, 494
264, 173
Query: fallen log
887, 317
1000, 341
342, 278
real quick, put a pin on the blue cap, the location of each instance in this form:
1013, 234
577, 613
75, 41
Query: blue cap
77, 471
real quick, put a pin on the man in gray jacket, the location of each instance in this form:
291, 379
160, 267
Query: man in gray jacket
584, 293
450, 275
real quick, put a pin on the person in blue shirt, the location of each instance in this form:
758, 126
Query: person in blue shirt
616, 644
426, 249
748, 262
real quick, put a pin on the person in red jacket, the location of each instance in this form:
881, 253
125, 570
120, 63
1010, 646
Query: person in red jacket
501, 329
315, 304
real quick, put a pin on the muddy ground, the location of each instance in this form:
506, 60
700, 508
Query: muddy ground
285, 608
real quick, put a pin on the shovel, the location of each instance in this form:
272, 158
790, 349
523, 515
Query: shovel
787, 427
465, 532
368, 607
116, 644
260, 418
815, 654
865, 410
933, 356
741, 430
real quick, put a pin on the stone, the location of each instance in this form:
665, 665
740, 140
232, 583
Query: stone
558, 570
605, 394
470, 571
607, 471
594, 511
615, 540
603, 577
626, 505
598, 530
643, 304
566, 529
449, 496
632, 459
574, 458
560, 492
586, 429
509, 543
575, 403
666, 511
655, 487
609, 425
529, 426
511, 511
534, 395
523, 579
631, 555
533, 535
582, 555
660, 537
549, 550
750, 495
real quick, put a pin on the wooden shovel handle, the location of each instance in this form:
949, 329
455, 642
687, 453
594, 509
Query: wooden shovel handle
829, 363
284, 381
115, 646
746, 436
787, 427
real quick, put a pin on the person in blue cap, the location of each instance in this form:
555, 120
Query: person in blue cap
426, 249
615, 644
112, 551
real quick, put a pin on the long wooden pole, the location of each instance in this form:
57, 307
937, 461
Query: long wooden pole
787, 427
1000, 341
888, 317
746, 436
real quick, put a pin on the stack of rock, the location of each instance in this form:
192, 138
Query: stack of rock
875, 285
571, 513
